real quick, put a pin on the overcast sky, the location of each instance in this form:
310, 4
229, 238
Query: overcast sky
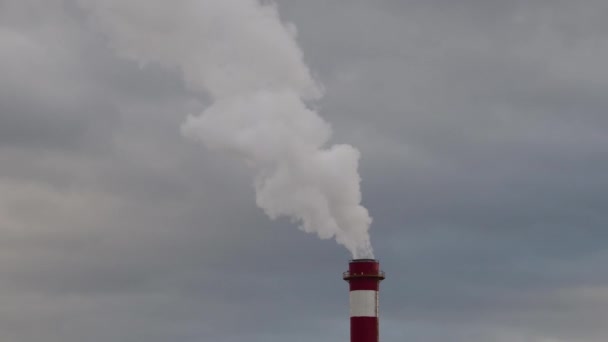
483, 127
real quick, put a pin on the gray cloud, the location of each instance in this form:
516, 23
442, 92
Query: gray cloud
482, 127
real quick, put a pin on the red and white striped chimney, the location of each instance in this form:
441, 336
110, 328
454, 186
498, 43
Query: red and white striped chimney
364, 277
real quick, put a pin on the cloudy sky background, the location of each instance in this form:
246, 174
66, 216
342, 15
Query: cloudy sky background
483, 131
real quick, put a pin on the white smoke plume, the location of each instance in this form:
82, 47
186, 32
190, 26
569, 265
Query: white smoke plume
242, 55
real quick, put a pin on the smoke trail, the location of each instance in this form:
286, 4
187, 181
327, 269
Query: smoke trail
242, 55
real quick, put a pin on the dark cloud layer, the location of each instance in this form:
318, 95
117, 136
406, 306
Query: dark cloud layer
483, 131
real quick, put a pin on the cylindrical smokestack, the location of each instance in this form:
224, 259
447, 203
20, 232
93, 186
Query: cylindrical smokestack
364, 277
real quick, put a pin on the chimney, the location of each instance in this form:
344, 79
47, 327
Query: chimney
364, 277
